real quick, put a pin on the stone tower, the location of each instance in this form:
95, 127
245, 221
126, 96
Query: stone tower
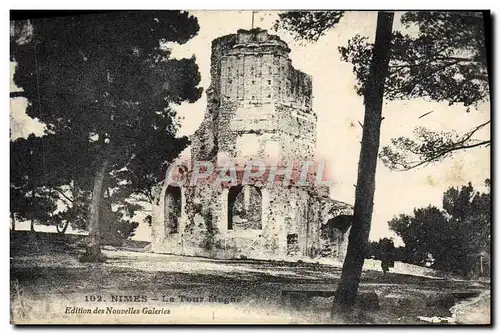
259, 107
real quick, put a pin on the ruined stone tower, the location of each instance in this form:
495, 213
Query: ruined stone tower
259, 107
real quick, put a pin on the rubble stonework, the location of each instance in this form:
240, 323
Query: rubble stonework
259, 107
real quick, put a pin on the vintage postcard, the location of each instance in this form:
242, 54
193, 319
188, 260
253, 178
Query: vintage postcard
250, 167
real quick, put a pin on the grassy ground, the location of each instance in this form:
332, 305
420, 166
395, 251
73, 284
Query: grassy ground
45, 280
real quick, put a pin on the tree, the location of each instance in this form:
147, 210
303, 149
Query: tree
31, 198
423, 233
46, 188
147, 168
445, 60
345, 295
105, 81
380, 249
308, 25
76, 201
454, 236
347, 289
469, 212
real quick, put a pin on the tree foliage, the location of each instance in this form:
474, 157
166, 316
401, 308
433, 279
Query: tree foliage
428, 146
148, 167
445, 60
383, 249
49, 185
439, 56
105, 86
453, 236
308, 25
105, 79
442, 58
36, 176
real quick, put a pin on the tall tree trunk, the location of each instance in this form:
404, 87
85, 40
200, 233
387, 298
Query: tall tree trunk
93, 251
32, 225
13, 218
347, 290
109, 231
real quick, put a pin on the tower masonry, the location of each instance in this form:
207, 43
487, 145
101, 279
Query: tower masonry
258, 107
259, 104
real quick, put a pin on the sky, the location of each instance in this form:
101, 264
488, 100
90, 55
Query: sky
339, 109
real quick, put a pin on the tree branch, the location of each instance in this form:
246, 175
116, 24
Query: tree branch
61, 193
443, 153
431, 149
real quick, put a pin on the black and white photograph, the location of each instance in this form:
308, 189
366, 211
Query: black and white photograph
309, 167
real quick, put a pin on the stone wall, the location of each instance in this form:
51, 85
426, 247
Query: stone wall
259, 76
296, 130
259, 106
204, 228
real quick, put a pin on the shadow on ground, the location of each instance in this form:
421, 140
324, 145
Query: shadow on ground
303, 290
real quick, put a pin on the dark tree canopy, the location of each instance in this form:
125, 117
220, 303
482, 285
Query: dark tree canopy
308, 25
455, 235
445, 60
436, 63
39, 168
382, 249
50, 185
148, 166
106, 88
104, 78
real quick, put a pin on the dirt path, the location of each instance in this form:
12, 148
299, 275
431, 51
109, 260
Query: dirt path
475, 310
253, 288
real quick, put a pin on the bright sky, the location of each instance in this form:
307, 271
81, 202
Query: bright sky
339, 109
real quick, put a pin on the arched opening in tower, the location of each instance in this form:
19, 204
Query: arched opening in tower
335, 232
173, 209
244, 208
